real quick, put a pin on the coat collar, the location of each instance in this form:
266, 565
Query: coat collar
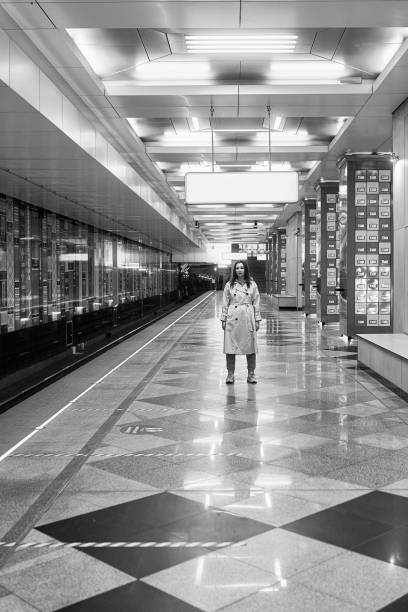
240, 287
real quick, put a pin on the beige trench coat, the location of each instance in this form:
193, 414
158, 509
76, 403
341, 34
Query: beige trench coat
240, 310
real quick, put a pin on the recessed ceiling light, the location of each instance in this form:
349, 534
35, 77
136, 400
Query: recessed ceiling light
279, 43
307, 70
211, 206
278, 122
172, 70
195, 122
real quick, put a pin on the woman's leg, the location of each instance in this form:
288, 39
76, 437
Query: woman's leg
251, 364
230, 363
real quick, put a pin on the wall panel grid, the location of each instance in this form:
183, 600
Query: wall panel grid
281, 262
310, 256
53, 268
366, 244
327, 216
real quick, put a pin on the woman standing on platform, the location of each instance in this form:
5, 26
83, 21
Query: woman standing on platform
240, 319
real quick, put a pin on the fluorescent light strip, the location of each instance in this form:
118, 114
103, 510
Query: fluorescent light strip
278, 123
241, 50
216, 37
251, 43
195, 122
216, 206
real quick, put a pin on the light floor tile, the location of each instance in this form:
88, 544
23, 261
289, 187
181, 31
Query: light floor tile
383, 440
289, 596
360, 410
266, 452
359, 580
136, 443
328, 498
11, 603
303, 441
275, 508
92, 479
57, 583
271, 477
282, 553
212, 581
398, 488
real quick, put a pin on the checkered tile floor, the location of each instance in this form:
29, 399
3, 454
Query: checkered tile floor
288, 495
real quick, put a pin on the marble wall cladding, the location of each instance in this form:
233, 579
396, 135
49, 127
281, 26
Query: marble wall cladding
400, 219
401, 280
390, 366
294, 256
364, 352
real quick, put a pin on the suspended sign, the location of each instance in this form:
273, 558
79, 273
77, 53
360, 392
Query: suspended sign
241, 187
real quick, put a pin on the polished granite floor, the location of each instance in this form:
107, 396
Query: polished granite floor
160, 488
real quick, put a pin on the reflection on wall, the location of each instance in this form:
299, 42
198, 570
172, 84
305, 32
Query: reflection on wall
52, 267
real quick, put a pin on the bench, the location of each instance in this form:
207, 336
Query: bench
387, 355
280, 300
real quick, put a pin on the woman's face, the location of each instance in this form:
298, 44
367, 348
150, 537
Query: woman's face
240, 270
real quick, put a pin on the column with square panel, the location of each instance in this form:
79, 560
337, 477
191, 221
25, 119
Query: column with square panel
281, 275
327, 308
310, 265
366, 243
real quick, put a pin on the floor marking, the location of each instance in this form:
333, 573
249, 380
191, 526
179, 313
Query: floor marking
129, 454
51, 544
97, 382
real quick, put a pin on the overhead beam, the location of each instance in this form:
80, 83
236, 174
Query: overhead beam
212, 88
219, 14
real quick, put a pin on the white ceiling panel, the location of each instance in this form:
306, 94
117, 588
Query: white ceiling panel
42, 167
28, 15
159, 15
341, 46
329, 14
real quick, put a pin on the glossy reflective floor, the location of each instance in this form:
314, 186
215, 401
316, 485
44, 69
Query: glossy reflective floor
160, 488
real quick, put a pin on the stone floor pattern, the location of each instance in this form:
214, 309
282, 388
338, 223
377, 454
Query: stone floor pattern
162, 489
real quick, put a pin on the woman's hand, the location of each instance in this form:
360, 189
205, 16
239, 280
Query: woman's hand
257, 325
223, 324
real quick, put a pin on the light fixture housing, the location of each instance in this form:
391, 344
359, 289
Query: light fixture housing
241, 187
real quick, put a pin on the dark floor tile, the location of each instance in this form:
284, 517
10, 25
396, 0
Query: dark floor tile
140, 562
391, 546
338, 528
378, 506
213, 525
133, 597
123, 522
399, 605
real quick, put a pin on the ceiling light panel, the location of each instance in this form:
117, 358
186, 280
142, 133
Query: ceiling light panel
308, 70
283, 43
241, 187
172, 70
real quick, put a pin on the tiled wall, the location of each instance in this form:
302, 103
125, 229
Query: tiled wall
52, 267
400, 204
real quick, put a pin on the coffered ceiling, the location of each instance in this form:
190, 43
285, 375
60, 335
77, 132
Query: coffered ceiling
210, 86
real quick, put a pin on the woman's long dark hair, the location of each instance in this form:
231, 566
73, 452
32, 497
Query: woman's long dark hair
234, 276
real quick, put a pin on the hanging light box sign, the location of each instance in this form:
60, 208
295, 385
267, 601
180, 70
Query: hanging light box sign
241, 187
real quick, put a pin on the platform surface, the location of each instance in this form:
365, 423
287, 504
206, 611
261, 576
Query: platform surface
141, 482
